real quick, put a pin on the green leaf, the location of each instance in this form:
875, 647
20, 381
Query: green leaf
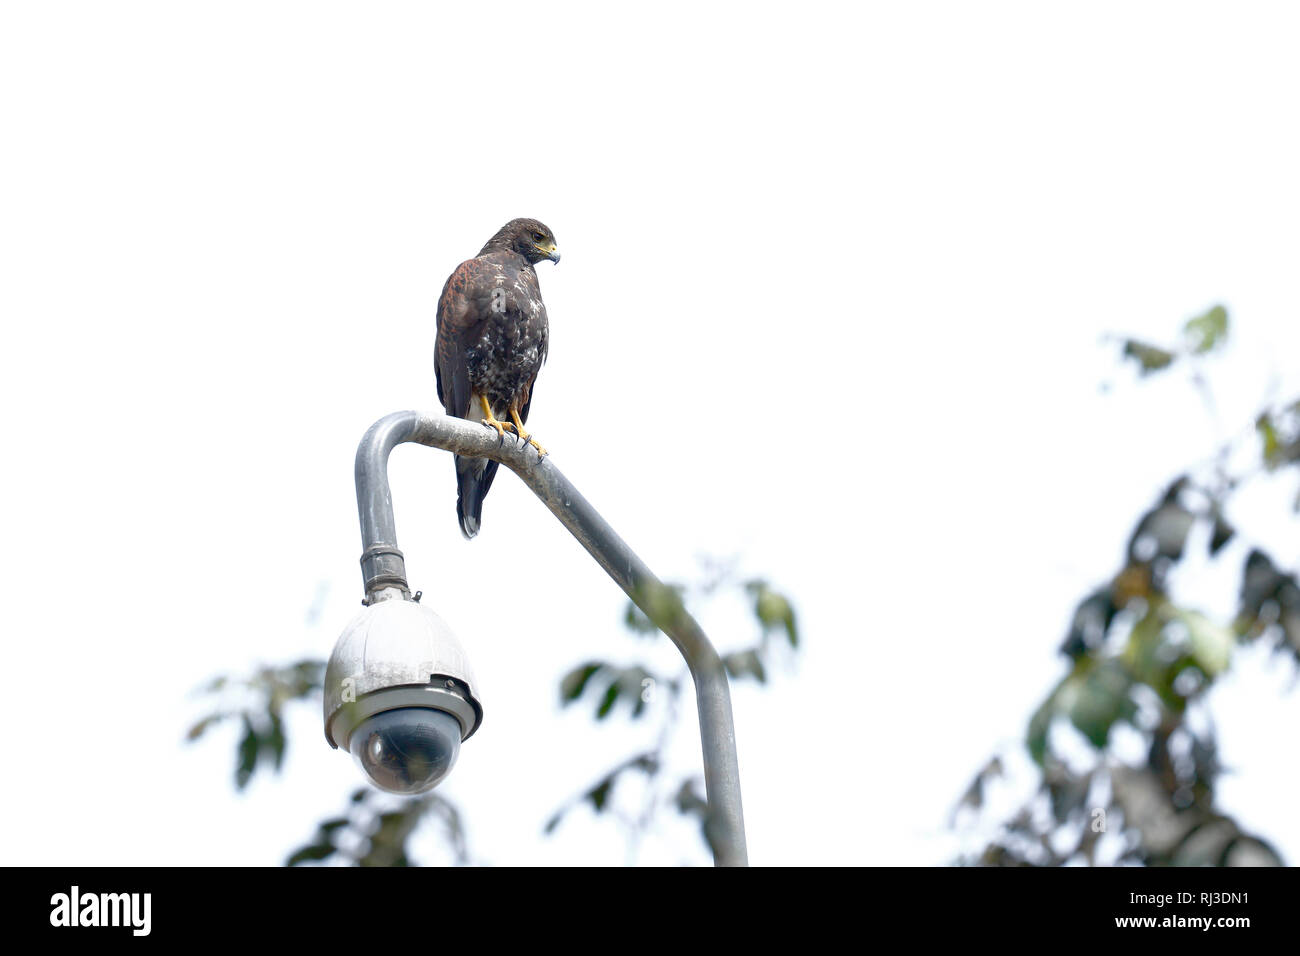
1039, 726
607, 701
575, 682
274, 742
1268, 437
662, 605
745, 664
328, 827
1222, 534
599, 794
199, 729
247, 755
647, 763
310, 676
632, 685
773, 610
1149, 357
1099, 700
1143, 653
1206, 332
688, 799
1211, 642
311, 853
396, 820
974, 795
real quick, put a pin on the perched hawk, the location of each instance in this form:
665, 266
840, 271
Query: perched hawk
491, 344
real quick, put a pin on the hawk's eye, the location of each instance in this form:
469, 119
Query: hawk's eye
538, 237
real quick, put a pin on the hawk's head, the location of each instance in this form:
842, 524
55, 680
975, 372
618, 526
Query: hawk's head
528, 237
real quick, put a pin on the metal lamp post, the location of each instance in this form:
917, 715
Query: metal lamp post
384, 573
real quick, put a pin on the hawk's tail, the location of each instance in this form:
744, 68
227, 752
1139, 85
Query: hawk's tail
473, 479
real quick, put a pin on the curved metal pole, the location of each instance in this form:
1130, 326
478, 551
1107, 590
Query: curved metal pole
383, 567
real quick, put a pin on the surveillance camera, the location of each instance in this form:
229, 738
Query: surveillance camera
399, 695
407, 750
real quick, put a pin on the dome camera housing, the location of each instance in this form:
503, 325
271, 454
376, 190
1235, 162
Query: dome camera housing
399, 695
407, 750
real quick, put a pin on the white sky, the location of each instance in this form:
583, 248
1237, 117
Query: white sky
833, 286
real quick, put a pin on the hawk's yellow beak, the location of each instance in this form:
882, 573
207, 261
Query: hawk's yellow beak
553, 254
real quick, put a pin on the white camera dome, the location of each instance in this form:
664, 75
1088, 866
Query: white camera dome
399, 695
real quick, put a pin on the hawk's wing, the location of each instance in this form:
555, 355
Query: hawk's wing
464, 305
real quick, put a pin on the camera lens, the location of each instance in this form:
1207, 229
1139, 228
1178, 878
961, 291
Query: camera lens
407, 750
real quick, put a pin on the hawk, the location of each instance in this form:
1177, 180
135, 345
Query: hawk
491, 344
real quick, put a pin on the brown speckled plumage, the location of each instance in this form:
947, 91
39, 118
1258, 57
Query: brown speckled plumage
492, 340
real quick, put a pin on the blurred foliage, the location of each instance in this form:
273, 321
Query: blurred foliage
607, 685
604, 685
376, 828
1201, 334
1140, 660
1279, 435
257, 703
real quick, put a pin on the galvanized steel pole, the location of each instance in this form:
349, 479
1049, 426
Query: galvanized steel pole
383, 567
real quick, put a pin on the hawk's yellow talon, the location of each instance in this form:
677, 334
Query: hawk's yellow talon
523, 434
492, 422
